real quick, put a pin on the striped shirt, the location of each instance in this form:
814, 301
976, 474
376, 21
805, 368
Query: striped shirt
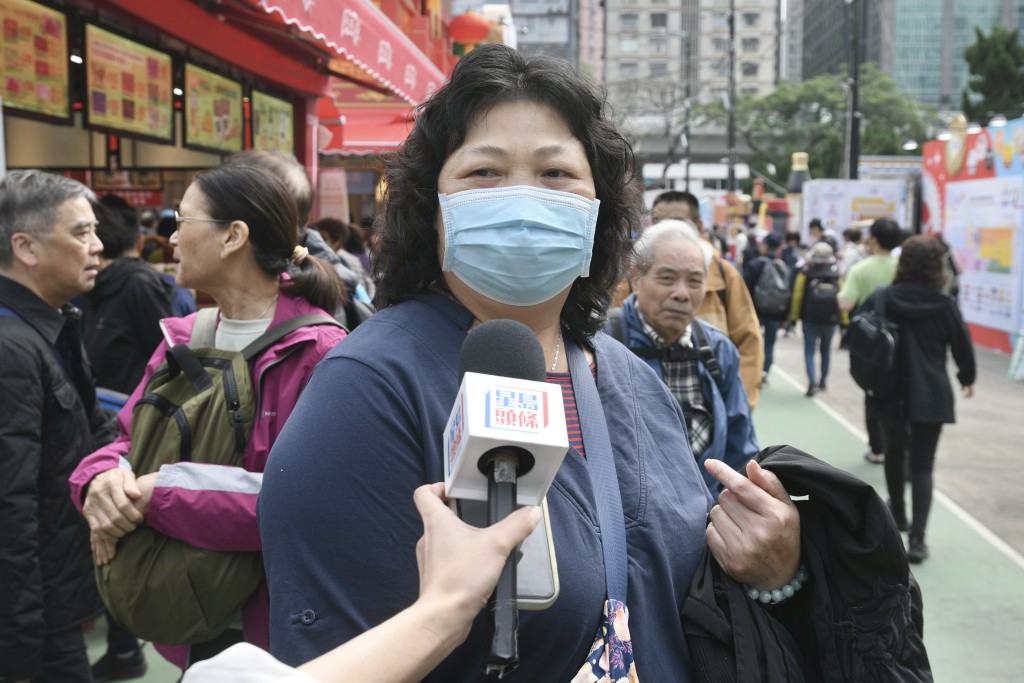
572, 414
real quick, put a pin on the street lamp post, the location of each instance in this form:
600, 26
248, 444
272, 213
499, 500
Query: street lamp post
730, 183
852, 147
686, 57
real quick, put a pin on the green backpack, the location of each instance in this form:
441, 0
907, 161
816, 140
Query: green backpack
198, 407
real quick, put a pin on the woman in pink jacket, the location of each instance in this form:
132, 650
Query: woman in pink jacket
237, 240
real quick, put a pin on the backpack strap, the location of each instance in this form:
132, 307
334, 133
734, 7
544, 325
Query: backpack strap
880, 292
279, 331
204, 331
706, 353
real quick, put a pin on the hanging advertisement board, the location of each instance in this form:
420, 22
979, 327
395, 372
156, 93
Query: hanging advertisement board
34, 60
273, 123
213, 111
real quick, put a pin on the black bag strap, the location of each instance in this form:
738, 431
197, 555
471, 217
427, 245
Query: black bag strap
701, 348
181, 359
706, 353
880, 293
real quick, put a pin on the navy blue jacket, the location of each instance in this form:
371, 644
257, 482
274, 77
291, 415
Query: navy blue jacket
339, 527
733, 440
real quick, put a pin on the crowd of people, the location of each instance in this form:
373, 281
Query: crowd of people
514, 197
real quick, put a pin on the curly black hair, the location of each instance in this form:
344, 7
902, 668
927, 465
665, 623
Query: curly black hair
406, 263
921, 262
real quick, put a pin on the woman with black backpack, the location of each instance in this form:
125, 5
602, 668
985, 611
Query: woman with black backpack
816, 306
929, 323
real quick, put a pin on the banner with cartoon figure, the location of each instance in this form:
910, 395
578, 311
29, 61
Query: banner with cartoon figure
213, 111
973, 194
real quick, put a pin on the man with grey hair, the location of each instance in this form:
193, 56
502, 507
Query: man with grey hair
49, 253
696, 360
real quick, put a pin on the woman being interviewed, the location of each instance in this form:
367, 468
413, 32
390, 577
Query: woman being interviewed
236, 240
513, 197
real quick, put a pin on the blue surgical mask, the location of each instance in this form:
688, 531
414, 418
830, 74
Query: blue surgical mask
518, 245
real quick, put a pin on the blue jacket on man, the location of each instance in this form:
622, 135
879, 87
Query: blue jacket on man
733, 440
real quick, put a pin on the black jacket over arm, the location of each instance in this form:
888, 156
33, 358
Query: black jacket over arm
857, 618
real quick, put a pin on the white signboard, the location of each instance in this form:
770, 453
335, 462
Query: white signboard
841, 203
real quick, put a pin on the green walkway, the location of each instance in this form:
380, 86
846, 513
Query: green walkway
973, 591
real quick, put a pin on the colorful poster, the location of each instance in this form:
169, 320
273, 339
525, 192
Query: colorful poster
983, 226
973, 193
34, 59
128, 86
213, 110
273, 123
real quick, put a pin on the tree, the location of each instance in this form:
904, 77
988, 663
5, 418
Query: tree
996, 64
810, 117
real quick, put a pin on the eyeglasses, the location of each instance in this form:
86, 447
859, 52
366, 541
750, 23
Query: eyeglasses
179, 219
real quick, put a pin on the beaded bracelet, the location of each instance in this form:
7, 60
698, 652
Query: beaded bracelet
779, 594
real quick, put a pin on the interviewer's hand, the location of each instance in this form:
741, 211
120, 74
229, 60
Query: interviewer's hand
109, 503
460, 564
754, 532
969, 391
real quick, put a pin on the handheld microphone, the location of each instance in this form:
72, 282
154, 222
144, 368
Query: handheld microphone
504, 442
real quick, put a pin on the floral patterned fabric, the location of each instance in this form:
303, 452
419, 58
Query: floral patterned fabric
611, 657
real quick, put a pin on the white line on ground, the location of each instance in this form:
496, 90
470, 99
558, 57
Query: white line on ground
964, 516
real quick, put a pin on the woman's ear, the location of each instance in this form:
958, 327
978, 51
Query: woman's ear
235, 238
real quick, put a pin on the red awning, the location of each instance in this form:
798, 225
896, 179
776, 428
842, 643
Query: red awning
367, 131
361, 33
192, 24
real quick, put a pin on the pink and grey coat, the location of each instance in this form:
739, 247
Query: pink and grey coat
212, 506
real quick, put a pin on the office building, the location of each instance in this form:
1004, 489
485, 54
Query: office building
919, 42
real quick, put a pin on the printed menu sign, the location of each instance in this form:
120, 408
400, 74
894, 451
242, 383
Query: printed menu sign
128, 86
34, 59
273, 123
213, 110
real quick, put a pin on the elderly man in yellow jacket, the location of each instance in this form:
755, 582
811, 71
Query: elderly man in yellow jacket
728, 305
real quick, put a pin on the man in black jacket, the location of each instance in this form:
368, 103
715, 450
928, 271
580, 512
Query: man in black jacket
49, 253
122, 328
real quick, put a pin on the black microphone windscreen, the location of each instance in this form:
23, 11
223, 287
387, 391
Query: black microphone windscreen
505, 348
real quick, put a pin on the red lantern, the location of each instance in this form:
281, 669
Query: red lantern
469, 28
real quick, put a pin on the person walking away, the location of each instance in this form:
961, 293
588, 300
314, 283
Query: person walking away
816, 306
929, 324
770, 284
852, 250
877, 270
49, 253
